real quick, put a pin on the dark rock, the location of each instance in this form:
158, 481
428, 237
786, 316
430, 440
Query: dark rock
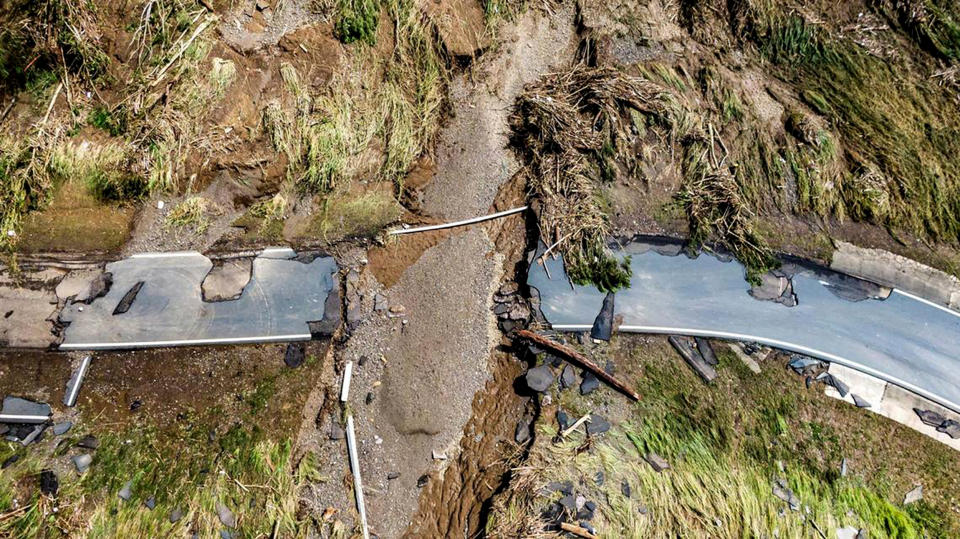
362, 360
126, 492
625, 488
841, 387
589, 383
522, 433
380, 303
809, 382
336, 431
603, 324
929, 417
127, 300
802, 364
591, 506
520, 311
135, 405
369, 398
9, 461
658, 463
18, 406
226, 516
501, 309
176, 515
610, 368
553, 513
423, 480
684, 346
781, 491
150, 503
33, 435
597, 425
540, 378
509, 288
82, 462
569, 504
566, 487
951, 428
507, 326
598, 479
49, 484
584, 514
859, 401
587, 526
581, 337
294, 355
225, 534
62, 428
706, 350
392, 475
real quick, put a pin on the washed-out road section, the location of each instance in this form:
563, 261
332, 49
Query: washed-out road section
284, 294
902, 339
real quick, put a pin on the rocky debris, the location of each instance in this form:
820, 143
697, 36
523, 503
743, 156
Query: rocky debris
353, 300
658, 463
380, 303
82, 462
49, 483
127, 300
603, 324
392, 475
89, 442
568, 378
598, 478
539, 378
950, 428
842, 388
914, 495
512, 310
843, 468
706, 350
18, 406
780, 490
850, 532
859, 401
929, 417
685, 347
597, 425
565, 487
226, 516
336, 431
437, 455
226, 281
508, 288
569, 504
563, 420
10, 461
804, 365
625, 489
294, 355
369, 398
127, 491
33, 435
84, 286
775, 286
423, 480
176, 515
151, 503
522, 433
589, 384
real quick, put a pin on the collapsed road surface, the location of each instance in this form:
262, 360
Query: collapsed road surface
902, 339
157, 300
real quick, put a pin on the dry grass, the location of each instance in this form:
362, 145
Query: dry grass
570, 128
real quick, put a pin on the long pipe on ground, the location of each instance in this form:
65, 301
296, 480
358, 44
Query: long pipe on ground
480, 219
355, 469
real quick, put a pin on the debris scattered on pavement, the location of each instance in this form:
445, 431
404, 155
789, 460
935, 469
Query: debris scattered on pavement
775, 286
684, 346
127, 300
17, 410
859, 401
914, 495
603, 325
73, 385
929, 417
579, 358
950, 428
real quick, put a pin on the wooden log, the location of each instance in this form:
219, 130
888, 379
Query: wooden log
577, 530
580, 359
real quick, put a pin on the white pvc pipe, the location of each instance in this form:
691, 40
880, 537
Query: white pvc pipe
355, 469
73, 385
345, 385
11, 418
480, 219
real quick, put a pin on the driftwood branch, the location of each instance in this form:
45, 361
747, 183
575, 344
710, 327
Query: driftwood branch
577, 530
579, 358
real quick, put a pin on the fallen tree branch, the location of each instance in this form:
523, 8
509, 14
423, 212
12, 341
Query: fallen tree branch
579, 358
577, 530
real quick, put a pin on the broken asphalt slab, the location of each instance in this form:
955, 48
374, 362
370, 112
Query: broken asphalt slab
283, 296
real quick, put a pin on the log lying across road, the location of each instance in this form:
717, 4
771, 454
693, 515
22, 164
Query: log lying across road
578, 358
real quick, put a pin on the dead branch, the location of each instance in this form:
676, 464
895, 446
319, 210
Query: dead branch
577, 530
580, 359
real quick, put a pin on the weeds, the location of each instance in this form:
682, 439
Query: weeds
192, 213
358, 20
347, 216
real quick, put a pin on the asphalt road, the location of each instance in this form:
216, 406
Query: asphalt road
283, 294
902, 339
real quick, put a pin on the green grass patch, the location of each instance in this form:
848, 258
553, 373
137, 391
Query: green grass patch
358, 20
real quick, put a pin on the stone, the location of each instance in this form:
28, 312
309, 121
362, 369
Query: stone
294, 355
568, 378
61, 428
563, 420
225, 534
423, 480
336, 431
519, 311
950, 428
226, 516
126, 492
135, 405
18, 406
522, 433
392, 475
658, 463
82, 462
800, 364
586, 525
843, 468
9, 461
860, 401
781, 491
509, 288
625, 489
540, 378
929, 417
369, 398
706, 350
176, 515
84, 286
838, 384
565, 487
49, 484
914, 495
597, 425
598, 478
501, 309
569, 504
150, 503
589, 383
127, 300
580, 501
380, 303
603, 324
